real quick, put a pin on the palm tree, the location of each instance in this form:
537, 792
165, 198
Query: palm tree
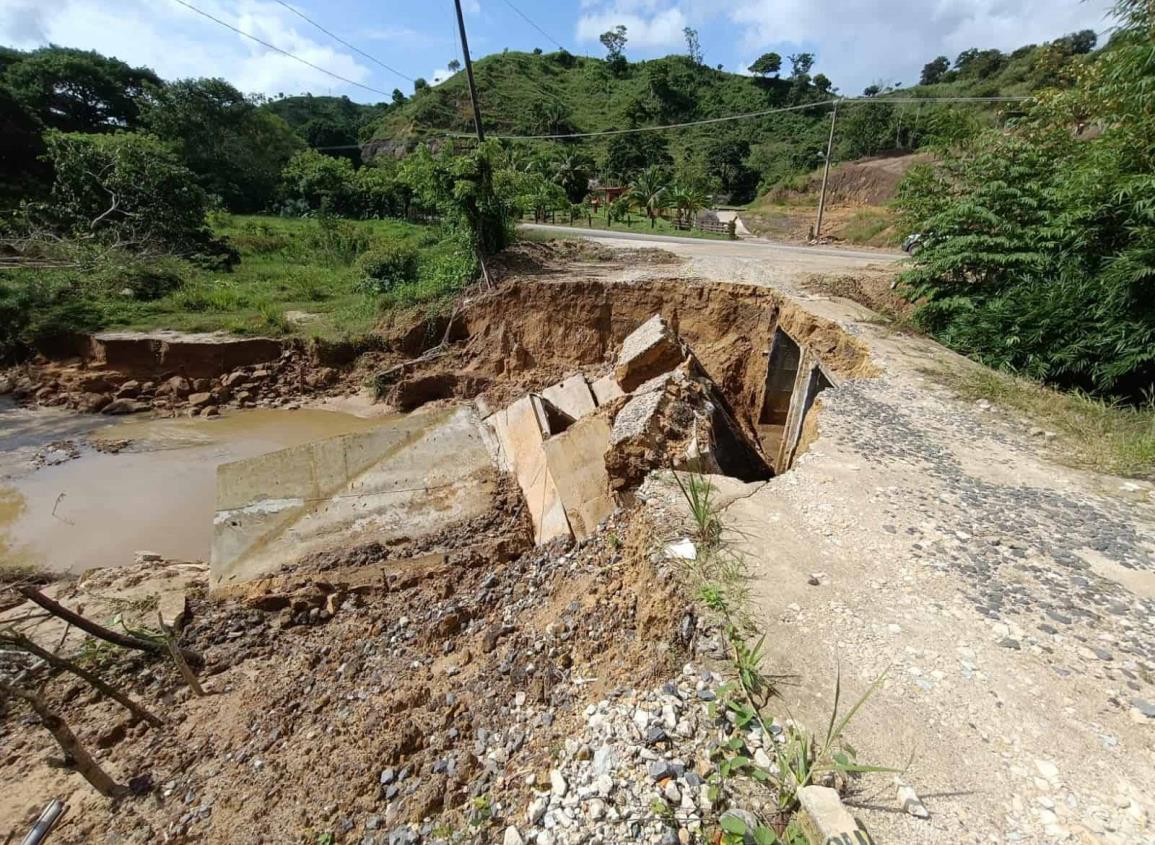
649, 193
689, 201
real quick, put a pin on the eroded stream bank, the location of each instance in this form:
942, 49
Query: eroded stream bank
84, 491
531, 668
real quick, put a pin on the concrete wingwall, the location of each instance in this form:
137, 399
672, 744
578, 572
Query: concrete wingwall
411, 477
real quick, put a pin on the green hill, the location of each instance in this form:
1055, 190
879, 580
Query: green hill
558, 93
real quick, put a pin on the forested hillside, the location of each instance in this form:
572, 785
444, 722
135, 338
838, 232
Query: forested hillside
558, 93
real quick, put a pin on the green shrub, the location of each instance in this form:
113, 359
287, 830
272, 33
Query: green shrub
337, 241
392, 264
143, 279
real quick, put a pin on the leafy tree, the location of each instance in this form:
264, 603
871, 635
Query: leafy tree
649, 192
128, 190
766, 64
551, 117
1081, 42
688, 200
822, 84
22, 171
629, 154
800, 64
934, 70
77, 90
322, 182
236, 149
693, 45
462, 190
399, 97
872, 90
1037, 245
573, 173
614, 41
419, 84
453, 66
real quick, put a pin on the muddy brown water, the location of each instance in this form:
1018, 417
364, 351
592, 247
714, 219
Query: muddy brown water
157, 494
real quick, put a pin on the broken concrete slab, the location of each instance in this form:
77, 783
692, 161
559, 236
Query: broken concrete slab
410, 477
650, 350
576, 461
572, 396
606, 389
196, 355
824, 818
521, 432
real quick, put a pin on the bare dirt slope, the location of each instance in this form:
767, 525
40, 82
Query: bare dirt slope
1009, 600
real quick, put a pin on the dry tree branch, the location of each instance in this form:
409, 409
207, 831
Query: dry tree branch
82, 761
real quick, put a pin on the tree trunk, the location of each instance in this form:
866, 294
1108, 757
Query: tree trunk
82, 761
24, 644
99, 631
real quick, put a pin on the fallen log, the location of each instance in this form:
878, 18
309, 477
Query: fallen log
97, 630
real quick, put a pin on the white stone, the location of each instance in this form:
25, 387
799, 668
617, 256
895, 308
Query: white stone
512, 837
557, 784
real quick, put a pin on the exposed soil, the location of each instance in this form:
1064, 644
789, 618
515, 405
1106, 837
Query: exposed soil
402, 693
378, 695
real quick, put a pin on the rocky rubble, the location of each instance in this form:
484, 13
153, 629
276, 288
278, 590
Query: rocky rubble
642, 769
278, 383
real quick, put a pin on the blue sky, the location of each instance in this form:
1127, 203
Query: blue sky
857, 42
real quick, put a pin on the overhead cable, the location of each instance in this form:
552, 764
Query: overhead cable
527, 19
277, 49
340, 40
747, 115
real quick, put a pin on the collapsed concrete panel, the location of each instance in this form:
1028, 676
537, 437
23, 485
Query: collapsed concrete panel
202, 355
576, 461
521, 430
606, 389
411, 477
648, 351
572, 396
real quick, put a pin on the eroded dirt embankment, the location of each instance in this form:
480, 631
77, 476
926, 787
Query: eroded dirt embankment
531, 333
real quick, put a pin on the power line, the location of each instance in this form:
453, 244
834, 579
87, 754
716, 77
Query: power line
277, 49
340, 40
526, 18
817, 104
748, 115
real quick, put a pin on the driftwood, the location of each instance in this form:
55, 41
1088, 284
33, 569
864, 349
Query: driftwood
189, 676
81, 760
101, 632
22, 642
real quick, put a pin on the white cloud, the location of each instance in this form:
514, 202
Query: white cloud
439, 75
859, 41
650, 23
176, 42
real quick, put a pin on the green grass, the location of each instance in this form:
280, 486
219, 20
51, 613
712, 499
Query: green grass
1093, 434
287, 265
870, 226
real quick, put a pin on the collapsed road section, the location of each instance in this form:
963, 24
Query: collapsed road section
457, 625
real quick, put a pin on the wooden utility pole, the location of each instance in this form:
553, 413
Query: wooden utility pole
469, 72
826, 173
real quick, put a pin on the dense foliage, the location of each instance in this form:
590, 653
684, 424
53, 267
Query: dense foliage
1039, 244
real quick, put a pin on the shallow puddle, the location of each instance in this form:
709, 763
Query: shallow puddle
156, 494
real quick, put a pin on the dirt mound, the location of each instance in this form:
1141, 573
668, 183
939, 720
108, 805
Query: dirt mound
868, 181
502, 346
352, 707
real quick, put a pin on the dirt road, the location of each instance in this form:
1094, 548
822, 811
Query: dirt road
1009, 600
751, 248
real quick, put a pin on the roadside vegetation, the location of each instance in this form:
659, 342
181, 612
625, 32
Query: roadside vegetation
750, 699
1106, 436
